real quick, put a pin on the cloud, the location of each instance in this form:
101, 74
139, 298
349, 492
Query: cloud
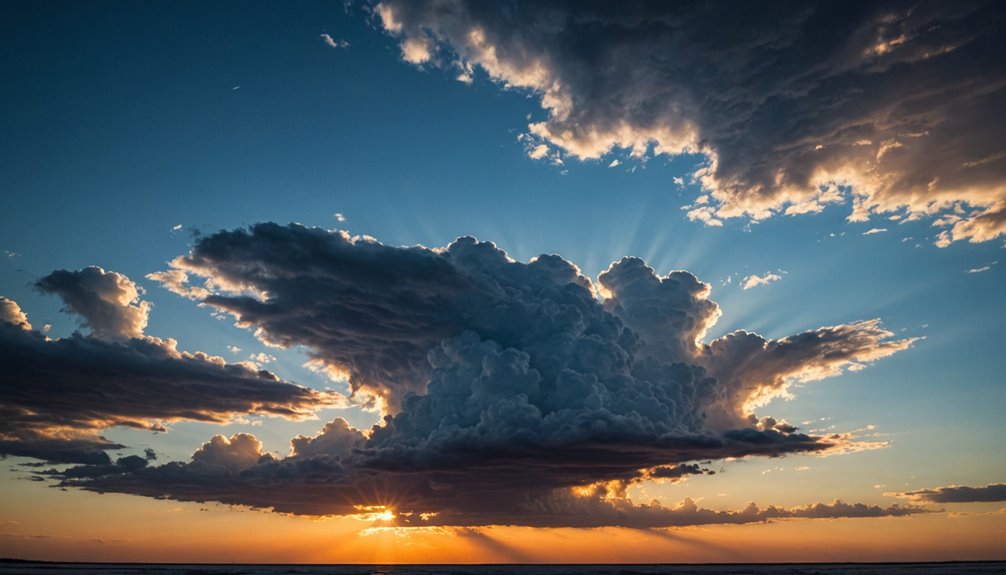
887, 107
241, 451
752, 281
603, 509
340, 217
11, 313
315, 480
262, 357
872, 231
704, 214
177, 280
538, 152
957, 494
57, 395
502, 382
416, 51
982, 269
107, 302
330, 41
679, 472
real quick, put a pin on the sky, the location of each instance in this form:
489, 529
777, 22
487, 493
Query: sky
517, 282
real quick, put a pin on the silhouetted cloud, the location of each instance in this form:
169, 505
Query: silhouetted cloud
237, 471
56, 395
599, 509
503, 382
679, 472
957, 494
893, 107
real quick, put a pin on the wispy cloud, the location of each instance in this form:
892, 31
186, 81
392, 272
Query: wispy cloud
872, 231
982, 269
753, 281
329, 40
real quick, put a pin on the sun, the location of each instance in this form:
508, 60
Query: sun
386, 515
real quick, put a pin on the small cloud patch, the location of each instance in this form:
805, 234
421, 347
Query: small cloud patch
334, 43
753, 281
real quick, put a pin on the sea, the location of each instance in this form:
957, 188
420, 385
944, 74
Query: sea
950, 568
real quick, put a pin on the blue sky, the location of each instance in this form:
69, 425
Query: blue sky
121, 124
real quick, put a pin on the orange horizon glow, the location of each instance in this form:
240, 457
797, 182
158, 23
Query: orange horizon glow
121, 528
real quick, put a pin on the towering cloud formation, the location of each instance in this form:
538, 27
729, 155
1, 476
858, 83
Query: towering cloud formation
891, 106
57, 395
505, 383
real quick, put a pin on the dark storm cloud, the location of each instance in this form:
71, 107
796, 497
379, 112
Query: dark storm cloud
792, 103
237, 471
56, 395
506, 382
958, 494
79, 446
679, 472
567, 509
388, 317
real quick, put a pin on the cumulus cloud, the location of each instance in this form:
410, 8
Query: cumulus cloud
228, 456
11, 313
888, 107
107, 302
503, 383
262, 357
754, 280
57, 395
957, 494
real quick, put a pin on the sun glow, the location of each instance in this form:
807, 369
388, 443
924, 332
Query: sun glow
375, 513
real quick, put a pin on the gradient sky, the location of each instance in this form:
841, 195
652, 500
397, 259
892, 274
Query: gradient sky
131, 130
